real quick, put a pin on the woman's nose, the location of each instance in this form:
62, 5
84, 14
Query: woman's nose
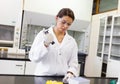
66, 25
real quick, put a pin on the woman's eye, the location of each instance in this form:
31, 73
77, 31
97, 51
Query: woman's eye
68, 24
63, 22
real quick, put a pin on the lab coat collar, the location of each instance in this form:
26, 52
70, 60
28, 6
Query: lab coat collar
66, 38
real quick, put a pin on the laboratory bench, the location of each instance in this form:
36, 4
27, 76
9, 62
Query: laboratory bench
25, 66
29, 79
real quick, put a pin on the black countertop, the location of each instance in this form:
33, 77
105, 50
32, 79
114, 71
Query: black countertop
15, 59
27, 79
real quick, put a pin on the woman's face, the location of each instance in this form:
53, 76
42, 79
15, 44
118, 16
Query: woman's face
63, 23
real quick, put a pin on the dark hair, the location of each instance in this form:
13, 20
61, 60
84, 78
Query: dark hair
66, 12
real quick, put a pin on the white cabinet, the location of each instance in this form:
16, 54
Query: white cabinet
30, 68
108, 47
12, 67
113, 68
104, 42
10, 11
102, 48
114, 51
10, 22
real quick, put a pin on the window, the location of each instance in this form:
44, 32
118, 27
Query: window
100, 6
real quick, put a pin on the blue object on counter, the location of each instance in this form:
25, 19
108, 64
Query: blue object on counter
112, 82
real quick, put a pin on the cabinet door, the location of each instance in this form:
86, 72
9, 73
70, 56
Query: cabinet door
101, 37
104, 42
19, 67
10, 11
10, 20
113, 68
30, 68
114, 59
100, 46
115, 43
11, 67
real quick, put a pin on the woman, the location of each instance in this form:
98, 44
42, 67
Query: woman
54, 50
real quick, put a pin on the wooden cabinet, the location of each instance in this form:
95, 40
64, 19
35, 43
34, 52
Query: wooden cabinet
12, 67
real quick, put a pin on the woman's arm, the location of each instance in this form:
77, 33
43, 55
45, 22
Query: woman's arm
73, 62
38, 49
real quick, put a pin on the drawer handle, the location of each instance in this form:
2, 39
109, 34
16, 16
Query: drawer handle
19, 65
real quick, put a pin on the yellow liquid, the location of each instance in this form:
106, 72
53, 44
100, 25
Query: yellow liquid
53, 82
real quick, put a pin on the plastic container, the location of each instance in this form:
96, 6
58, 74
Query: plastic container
0, 52
79, 80
112, 82
4, 52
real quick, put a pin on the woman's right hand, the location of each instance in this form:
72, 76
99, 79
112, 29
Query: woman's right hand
48, 39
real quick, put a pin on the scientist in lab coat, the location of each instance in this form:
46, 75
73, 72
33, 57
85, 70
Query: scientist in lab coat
54, 50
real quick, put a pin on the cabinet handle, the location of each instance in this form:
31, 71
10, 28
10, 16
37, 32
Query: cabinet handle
19, 65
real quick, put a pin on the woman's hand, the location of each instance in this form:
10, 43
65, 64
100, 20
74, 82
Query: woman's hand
67, 77
48, 39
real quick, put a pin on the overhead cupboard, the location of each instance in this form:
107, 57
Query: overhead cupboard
108, 48
10, 22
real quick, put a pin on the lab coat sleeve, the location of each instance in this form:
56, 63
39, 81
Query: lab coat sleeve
73, 62
38, 50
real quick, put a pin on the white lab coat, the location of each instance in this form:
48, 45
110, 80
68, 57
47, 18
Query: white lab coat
56, 59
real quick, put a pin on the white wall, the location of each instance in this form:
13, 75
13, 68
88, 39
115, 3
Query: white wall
81, 8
